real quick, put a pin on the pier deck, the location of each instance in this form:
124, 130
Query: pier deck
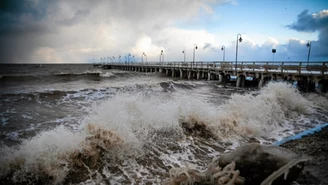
306, 74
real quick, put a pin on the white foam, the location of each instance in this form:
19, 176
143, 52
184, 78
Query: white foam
4, 121
83, 73
107, 74
319, 100
13, 136
241, 116
134, 117
27, 116
41, 154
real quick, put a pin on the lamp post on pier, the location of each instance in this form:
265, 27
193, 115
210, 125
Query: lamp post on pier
273, 52
195, 47
144, 54
162, 56
129, 57
184, 55
240, 39
309, 46
119, 57
134, 60
223, 49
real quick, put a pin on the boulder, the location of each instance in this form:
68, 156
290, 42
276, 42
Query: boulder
262, 164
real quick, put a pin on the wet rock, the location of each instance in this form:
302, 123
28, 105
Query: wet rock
315, 146
257, 162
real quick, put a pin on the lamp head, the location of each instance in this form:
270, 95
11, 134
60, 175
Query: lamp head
240, 39
182, 51
196, 47
222, 48
308, 44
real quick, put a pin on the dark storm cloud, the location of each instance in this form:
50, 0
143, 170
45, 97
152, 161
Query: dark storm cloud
20, 7
310, 22
20, 25
22, 17
320, 47
23, 29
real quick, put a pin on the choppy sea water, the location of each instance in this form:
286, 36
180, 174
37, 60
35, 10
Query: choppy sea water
79, 124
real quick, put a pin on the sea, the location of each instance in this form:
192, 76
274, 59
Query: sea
81, 124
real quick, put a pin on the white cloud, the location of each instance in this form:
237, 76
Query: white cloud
271, 42
321, 14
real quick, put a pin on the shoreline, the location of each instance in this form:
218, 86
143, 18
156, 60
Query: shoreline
315, 171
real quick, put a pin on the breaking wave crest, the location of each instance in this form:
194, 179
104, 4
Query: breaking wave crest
249, 115
54, 76
124, 128
107, 74
59, 155
96, 73
319, 100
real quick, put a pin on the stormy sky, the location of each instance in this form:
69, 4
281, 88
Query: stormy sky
79, 31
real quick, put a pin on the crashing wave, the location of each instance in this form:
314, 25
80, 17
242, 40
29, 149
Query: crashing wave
246, 115
123, 125
48, 159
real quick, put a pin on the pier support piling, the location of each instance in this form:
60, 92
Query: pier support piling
241, 81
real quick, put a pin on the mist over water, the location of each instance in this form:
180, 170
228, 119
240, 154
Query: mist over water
89, 125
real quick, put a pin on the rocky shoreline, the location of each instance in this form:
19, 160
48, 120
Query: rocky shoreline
315, 171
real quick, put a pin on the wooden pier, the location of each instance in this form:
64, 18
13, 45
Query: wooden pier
308, 75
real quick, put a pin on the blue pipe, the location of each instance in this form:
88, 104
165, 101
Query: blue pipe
300, 135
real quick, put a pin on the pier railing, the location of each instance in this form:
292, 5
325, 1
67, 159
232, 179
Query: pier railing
319, 68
